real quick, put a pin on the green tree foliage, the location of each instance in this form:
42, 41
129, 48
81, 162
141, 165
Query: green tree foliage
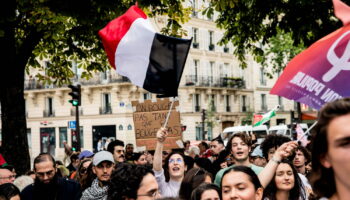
250, 24
59, 31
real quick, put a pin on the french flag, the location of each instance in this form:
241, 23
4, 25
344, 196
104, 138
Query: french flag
150, 60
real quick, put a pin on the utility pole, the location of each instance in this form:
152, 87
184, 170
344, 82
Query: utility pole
76, 102
203, 123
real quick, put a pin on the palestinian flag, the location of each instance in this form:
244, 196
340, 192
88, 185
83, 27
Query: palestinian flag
150, 60
265, 118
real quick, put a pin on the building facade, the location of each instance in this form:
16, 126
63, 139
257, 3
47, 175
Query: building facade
212, 81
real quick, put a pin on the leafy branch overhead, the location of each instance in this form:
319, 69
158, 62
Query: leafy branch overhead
250, 25
63, 31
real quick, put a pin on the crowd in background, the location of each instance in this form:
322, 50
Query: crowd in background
235, 168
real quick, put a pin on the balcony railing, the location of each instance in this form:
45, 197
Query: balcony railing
33, 84
209, 81
48, 113
197, 108
105, 110
211, 47
195, 45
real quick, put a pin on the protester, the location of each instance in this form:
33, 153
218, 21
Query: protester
301, 159
83, 173
241, 182
117, 149
187, 145
206, 191
169, 176
330, 151
47, 185
74, 163
9, 191
192, 180
273, 152
103, 164
257, 158
23, 181
139, 159
6, 176
131, 181
216, 146
194, 152
204, 148
286, 184
239, 146
129, 151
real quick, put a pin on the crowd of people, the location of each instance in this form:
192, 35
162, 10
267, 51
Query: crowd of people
276, 169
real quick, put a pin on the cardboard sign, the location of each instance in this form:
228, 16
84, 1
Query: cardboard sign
149, 117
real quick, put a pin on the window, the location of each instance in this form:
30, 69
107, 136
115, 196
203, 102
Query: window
195, 38
211, 72
263, 102
195, 62
194, 8
244, 103
280, 102
199, 132
29, 137
211, 41
197, 102
63, 136
129, 127
120, 127
213, 102
105, 75
49, 112
262, 77
228, 104
147, 96
106, 104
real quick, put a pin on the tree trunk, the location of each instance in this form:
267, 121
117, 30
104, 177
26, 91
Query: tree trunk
14, 129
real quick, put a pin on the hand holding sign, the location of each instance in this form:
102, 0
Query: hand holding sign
162, 134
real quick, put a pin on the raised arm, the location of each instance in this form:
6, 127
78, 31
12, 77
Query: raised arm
162, 134
285, 150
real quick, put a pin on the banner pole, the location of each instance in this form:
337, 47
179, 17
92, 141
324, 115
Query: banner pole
307, 131
168, 115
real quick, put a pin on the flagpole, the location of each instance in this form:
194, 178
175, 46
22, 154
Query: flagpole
307, 131
168, 115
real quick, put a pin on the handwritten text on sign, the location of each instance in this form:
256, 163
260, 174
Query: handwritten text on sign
150, 116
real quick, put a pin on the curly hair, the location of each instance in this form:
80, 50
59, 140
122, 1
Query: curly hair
322, 178
295, 193
272, 141
126, 180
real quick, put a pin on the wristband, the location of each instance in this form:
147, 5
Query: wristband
276, 161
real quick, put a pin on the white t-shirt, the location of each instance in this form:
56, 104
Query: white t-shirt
167, 189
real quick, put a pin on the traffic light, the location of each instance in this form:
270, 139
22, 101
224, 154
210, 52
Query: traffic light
76, 95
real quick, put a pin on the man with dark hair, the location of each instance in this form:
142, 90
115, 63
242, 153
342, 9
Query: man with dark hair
216, 146
239, 145
47, 184
116, 148
103, 164
129, 151
301, 159
142, 184
271, 143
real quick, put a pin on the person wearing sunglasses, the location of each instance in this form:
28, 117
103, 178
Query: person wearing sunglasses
47, 184
116, 148
170, 175
130, 181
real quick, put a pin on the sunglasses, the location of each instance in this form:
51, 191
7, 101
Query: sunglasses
120, 151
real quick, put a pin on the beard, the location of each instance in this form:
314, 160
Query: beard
46, 190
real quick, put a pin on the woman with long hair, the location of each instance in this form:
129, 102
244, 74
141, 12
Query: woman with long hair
193, 178
170, 175
286, 184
